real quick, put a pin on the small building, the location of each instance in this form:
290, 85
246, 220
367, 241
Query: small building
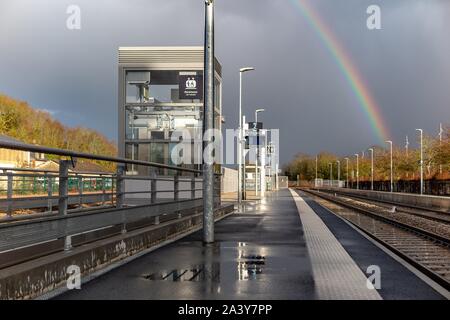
13, 158
81, 168
17, 158
161, 92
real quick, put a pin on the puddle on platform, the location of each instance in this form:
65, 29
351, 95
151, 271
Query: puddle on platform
249, 267
194, 274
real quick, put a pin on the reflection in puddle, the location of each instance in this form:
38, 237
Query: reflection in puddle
250, 267
194, 274
249, 264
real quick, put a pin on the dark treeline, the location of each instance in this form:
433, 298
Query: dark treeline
406, 163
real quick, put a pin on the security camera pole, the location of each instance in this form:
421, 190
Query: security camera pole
208, 123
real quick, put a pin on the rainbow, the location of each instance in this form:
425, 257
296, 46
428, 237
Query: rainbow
348, 69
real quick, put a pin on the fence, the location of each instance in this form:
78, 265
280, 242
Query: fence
73, 206
431, 187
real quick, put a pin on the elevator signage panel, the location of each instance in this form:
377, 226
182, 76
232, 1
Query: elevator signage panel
255, 125
191, 87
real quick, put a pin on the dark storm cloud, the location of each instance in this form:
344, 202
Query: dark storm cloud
406, 64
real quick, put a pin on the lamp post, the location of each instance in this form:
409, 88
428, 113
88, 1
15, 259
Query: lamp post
339, 172
315, 182
346, 176
241, 137
392, 165
407, 145
331, 174
441, 131
357, 171
421, 160
208, 124
372, 169
257, 179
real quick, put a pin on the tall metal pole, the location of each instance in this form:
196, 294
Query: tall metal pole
392, 166
331, 174
357, 171
262, 174
339, 171
257, 154
372, 170
208, 125
441, 131
239, 146
346, 178
257, 177
315, 182
241, 151
421, 160
407, 145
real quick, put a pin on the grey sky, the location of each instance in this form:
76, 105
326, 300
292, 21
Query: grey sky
406, 64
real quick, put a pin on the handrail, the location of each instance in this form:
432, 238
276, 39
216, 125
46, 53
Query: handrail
44, 171
74, 154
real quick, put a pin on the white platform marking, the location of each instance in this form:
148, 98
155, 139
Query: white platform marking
336, 275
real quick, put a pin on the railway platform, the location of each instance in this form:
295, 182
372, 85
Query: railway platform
286, 246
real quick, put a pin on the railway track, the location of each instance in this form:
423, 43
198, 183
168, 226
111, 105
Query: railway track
427, 250
429, 213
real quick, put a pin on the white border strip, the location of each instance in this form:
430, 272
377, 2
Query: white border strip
336, 275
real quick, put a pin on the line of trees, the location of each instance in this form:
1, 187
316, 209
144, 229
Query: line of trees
20, 121
406, 163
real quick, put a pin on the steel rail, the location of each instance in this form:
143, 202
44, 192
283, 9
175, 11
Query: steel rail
416, 230
401, 207
73, 154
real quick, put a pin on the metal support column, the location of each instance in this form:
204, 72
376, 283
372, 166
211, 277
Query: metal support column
63, 196
193, 186
49, 193
208, 125
176, 187
9, 193
120, 194
120, 186
80, 191
153, 187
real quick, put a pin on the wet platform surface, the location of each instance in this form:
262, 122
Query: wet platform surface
260, 253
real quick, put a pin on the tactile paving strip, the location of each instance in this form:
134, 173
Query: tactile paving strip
336, 275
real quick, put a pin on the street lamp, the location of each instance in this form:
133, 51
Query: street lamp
441, 131
347, 159
371, 184
357, 171
257, 179
241, 137
392, 166
421, 160
339, 172
317, 160
331, 174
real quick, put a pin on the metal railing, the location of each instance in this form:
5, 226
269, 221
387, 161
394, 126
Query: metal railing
43, 206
